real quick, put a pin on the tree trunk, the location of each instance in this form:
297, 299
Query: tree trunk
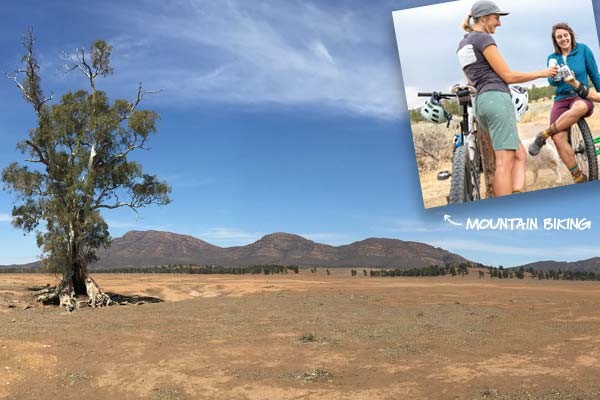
78, 278
76, 287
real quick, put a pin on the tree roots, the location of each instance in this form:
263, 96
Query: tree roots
64, 295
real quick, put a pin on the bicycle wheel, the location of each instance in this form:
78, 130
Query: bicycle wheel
464, 185
580, 138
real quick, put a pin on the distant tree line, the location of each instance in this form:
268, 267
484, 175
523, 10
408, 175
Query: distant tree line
543, 92
20, 270
520, 273
432, 270
504, 273
266, 269
565, 275
275, 269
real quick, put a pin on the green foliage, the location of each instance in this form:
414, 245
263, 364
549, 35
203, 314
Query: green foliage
79, 164
520, 273
414, 115
100, 55
543, 92
432, 270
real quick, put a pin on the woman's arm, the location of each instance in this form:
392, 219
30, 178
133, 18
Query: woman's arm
581, 90
592, 68
493, 56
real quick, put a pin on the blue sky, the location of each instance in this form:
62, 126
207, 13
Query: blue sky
275, 116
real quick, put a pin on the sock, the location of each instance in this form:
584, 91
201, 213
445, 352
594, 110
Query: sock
577, 175
549, 132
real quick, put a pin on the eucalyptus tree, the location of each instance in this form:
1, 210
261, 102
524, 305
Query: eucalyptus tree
78, 163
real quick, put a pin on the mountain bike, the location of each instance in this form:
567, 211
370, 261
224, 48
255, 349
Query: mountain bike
583, 144
467, 164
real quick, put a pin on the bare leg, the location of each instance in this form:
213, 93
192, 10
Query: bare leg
518, 172
505, 162
565, 151
578, 109
567, 155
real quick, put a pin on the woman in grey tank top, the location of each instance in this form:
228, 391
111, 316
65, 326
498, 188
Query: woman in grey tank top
485, 69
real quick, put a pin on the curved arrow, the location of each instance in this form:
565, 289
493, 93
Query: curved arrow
447, 219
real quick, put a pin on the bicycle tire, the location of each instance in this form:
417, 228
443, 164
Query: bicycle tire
464, 185
476, 168
582, 142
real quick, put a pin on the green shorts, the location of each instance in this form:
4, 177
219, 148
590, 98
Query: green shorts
495, 113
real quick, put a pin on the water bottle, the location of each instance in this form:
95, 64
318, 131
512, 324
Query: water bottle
553, 63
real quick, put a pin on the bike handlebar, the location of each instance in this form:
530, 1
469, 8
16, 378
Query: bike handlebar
436, 94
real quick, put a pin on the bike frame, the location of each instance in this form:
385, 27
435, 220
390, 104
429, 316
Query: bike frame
466, 137
467, 128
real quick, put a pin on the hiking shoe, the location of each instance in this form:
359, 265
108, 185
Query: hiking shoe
536, 145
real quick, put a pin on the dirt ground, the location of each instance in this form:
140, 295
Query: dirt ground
306, 336
535, 120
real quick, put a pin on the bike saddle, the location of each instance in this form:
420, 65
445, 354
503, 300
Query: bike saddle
461, 86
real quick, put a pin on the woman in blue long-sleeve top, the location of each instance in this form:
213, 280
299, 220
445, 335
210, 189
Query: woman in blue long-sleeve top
571, 97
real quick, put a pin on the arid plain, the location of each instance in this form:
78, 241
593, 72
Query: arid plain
305, 336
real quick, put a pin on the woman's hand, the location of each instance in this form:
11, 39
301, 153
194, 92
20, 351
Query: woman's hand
550, 72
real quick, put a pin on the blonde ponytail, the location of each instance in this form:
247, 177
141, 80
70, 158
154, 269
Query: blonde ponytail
466, 24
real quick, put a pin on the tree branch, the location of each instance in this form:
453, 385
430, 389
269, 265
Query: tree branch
140, 95
30, 85
118, 205
38, 151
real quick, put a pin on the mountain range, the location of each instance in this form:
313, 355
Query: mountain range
149, 248
144, 248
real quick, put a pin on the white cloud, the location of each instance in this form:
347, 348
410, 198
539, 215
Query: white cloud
321, 51
5, 218
288, 53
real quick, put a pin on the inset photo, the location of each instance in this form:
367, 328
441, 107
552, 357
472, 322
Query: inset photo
501, 95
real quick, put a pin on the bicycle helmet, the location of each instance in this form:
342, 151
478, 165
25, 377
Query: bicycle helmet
434, 112
520, 99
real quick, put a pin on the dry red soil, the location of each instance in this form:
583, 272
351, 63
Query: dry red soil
306, 336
